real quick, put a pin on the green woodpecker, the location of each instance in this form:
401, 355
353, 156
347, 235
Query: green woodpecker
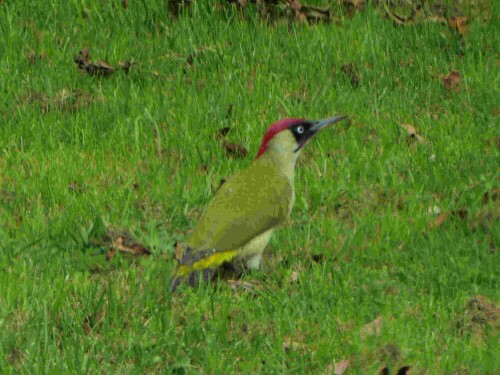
239, 221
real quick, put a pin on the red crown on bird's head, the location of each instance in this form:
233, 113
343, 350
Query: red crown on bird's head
274, 129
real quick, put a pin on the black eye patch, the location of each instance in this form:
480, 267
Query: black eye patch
301, 131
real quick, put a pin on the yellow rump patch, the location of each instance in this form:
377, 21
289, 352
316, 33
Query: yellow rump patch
212, 261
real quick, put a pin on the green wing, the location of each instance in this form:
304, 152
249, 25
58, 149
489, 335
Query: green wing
249, 203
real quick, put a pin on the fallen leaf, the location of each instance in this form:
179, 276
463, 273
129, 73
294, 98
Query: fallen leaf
491, 196
82, 58
439, 220
294, 277
459, 25
222, 132
318, 258
352, 6
115, 241
341, 367
125, 4
403, 370
190, 58
127, 244
100, 68
234, 150
412, 134
451, 81
372, 328
125, 65
315, 14
384, 371
351, 71
74, 187
461, 213
110, 254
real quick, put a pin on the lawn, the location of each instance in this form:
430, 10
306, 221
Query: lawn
390, 257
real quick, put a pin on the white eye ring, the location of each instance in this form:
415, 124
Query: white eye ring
300, 129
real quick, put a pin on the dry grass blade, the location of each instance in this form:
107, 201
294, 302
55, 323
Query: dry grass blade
234, 150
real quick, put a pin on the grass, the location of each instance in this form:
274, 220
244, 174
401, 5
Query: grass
138, 152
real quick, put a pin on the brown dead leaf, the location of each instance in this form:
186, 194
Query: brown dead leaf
125, 4
461, 213
82, 58
341, 366
412, 134
372, 328
117, 241
384, 371
110, 254
318, 258
491, 196
451, 81
222, 132
234, 150
125, 65
74, 187
100, 68
315, 14
353, 6
403, 370
439, 220
127, 244
459, 25
351, 71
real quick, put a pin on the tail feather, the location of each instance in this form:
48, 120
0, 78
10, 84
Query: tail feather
204, 262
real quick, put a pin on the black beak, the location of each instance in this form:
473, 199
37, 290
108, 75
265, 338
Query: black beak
317, 126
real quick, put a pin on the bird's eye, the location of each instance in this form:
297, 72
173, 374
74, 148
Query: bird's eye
300, 129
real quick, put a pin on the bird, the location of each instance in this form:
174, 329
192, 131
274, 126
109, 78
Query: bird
238, 222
